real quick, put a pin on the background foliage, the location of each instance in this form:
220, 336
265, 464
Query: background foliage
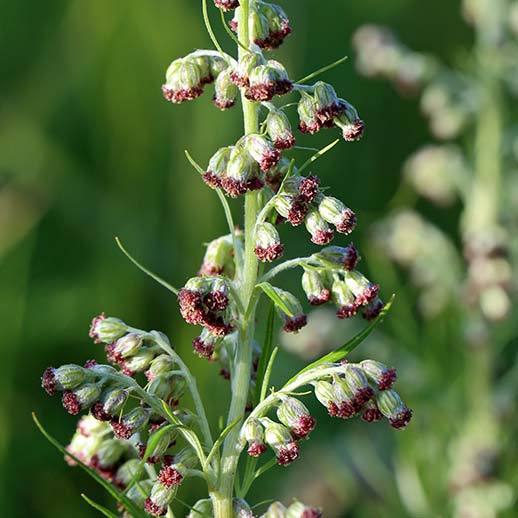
90, 150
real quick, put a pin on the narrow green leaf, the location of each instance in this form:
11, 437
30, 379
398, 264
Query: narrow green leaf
155, 438
322, 70
274, 297
265, 467
220, 439
154, 276
265, 352
268, 373
318, 155
99, 507
342, 352
115, 493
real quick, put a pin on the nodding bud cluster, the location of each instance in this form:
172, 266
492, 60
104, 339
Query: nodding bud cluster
268, 24
295, 510
186, 77
323, 109
295, 319
268, 246
365, 389
205, 301
219, 258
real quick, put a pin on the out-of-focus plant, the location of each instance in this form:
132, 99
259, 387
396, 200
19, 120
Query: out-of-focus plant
472, 167
127, 442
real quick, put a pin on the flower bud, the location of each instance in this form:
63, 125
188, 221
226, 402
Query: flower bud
308, 120
205, 344
275, 510
82, 447
218, 259
292, 208
279, 130
127, 346
294, 414
364, 290
371, 412
350, 123
298, 320
100, 370
268, 80
242, 174
336, 213
339, 257
158, 501
344, 398
373, 309
111, 403
379, 374
325, 393
225, 91
107, 329
268, 246
127, 472
279, 438
162, 364
163, 386
226, 5
88, 426
343, 297
299, 510
108, 454
138, 363
315, 288
139, 492
130, 423
254, 434
358, 384
241, 75
393, 408
66, 377
241, 509
183, 81
326, 103
258, 28
204, 67
321, 232
201, 509
262, 151
81, 398
278, 26
217, 168
165, 441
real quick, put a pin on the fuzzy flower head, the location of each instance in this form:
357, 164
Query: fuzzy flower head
295, 320
279, 130
315, 287
267, 81
275, 28
106, 329
268, 246
294, 414
321, 233
358, 385
339, 257
392, 407
349, 122
243, 174
183, 81
66, 377
336, 213
326, 104
130, 423
81, 398
262, 151
225, 91
279, 438
219, 257
344, 299
364, 290
292, 208
240, 76
217, 167
205, 344
226, 5
253, 433
383, 376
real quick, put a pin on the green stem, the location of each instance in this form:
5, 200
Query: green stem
222, 494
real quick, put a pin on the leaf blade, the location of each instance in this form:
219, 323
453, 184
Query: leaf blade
270, 292
98, 507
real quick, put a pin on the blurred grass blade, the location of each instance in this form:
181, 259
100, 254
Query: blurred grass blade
99, 507
122, 499
274, 297
266, 352
154, 276
342, 352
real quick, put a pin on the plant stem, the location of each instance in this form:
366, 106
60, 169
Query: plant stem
222, 495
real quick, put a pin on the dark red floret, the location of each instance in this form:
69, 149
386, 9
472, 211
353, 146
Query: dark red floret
367, 295
310, 127
401, 419
256, 449
203, 349
48, 381
351, 257
295, 323
347, 223
191, 306
92, 333
347, 409
212, 180
355, 131
322, 298
387, 379
309, 188
223, 104
112, 355
304, 426
322, 237
270, 253
121, 430
71, 402
225, 374
285, 142
269, 159
347, 311
179, 96
332, 409
287, 454
216, 300
373, 310
326, 114
371, 415
238, 80
363, 395
298, 212
154, 509
275, 38
210, 270
98, 412
311, 513
169, 476
266, 91
217, 325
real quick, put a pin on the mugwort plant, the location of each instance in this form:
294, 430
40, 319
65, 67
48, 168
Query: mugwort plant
137, 438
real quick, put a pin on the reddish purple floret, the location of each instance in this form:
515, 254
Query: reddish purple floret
179, 96
304, 426
322, 298
298, 212
326, 114
310, 127
121, 430
372, 311
275, 38
212, 180
347, 311
153, 509
355, 131
226, 5
332, 409
210, 270
287, 454
266, 91
363, 395
285, 142
270, 253
235, 188
238, 80
202, 348
256, 449
48, 381
71, 402
311, 513
401, 419
371, 415
92, 333
309, 188
367, 295
351, 257
295, 323
223, 104
191, 306
322, 237
169, 476
348, 222
216, 300
98, 412
269, 159
347, 409
387, 379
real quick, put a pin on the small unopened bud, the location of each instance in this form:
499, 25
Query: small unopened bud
308, 120
350, 123
391, 406
339, 256
336, 213
298, 319
373, 309
277, 26
268, 246
371, 412
379, 373
183, 81
130, 423
275, 510
254, 434
138, 492
218, 259
241, 509
108, 454
262, 151
300, 510
158, 501
314, 287
279, 130
167, 387
242, 174
204, 68
321, 232
358, 384
268, 80
364, 290
241, 75
205, 344
217, 168
66, 377
226, 5
326, 102
292, 208
343, 297
279, 438
344, 398
294, 414
81, 398
111, 404
162, 364
138, 363
325, 393
225, 91
107, 329
128, 345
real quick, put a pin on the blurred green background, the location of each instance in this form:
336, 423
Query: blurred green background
89, 150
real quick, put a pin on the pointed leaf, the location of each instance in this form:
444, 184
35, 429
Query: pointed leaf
274, 297
99, 507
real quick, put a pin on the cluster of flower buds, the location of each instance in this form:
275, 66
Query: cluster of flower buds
324, 109
261, 79
366, 389
206, 301
295, 510
296, 423
380, 54
186, 78
219, 257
